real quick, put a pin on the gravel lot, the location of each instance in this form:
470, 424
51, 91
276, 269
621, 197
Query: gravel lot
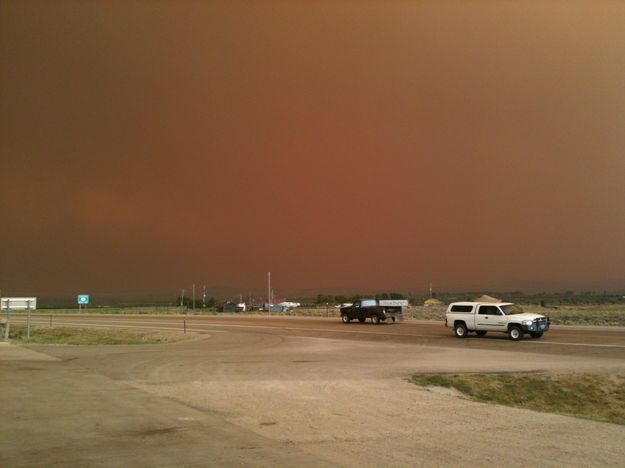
259, 397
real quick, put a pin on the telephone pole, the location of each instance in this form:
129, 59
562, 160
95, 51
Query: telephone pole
269, 290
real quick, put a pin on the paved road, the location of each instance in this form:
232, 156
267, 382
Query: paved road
601, 342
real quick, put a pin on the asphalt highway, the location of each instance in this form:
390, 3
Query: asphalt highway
600, 342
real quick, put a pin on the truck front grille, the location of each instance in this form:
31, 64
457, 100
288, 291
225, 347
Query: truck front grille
542, 323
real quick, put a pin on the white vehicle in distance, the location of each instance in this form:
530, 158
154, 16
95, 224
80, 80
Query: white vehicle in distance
504, 317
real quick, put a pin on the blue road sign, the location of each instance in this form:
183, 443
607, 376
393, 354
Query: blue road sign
83, 299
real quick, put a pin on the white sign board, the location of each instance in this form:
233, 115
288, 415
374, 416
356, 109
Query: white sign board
394, 303
18, 303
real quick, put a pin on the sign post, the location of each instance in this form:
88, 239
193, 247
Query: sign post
7, 325
83, 300
17, 303
28, 320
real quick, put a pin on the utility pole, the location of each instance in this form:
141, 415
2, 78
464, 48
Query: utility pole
181, 300
269, 289
28, 321
193, 296
203, 296
430, 290
8, 317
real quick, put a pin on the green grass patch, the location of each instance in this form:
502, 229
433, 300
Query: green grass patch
87, 336
589, 396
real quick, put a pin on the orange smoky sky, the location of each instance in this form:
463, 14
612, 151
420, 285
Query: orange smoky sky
341, 145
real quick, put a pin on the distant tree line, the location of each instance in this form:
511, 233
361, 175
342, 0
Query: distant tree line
187, 302
567, 298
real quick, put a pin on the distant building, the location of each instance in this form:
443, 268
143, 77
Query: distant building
230, 306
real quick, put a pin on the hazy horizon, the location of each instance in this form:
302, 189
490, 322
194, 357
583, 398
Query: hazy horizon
258, 294
352, 146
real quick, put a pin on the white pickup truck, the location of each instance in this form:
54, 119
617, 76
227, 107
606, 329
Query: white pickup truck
482, 317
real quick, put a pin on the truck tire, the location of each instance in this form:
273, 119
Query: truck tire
536, 334
481, 332
362, 319
515, 333
345, 318
460, 330
375, 319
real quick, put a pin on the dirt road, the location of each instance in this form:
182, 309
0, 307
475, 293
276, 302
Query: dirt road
287, 391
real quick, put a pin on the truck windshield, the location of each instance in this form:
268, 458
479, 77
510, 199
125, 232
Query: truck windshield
511, 309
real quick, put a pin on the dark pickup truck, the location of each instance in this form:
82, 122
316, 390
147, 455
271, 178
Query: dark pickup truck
378, 311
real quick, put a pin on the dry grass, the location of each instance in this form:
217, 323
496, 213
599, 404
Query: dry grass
87, 336
606, 315
596, 397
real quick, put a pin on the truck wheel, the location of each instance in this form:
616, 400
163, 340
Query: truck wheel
361, 320
481, 332
375, 319
460, 330
536, 334
345, 318
393, 319
515, 333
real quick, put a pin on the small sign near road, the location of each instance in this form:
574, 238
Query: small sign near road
18, 303
83, 299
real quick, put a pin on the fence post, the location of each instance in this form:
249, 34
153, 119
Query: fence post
8, 324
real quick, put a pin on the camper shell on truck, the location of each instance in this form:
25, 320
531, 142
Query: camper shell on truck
377, 310
506, 317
